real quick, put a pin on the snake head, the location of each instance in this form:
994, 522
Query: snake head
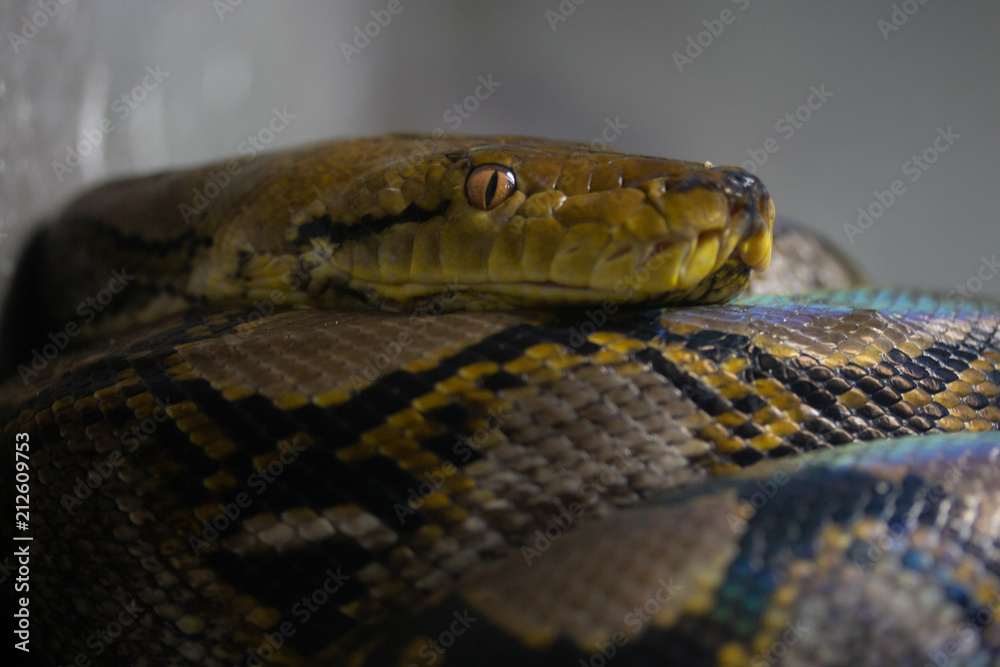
500, 222
409, 222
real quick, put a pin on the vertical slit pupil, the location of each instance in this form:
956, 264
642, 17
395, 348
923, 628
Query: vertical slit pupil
491, 187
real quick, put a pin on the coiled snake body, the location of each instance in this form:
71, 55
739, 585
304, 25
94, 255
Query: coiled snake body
407, 400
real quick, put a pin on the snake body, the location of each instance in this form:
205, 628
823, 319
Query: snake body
249, 463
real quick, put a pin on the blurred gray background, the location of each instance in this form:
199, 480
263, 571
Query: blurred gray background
829, 103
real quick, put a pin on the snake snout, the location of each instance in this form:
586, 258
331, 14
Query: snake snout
716, 226
752, 214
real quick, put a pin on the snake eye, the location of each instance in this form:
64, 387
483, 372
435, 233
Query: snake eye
489, 185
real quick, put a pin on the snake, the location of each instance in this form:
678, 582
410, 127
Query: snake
455, 400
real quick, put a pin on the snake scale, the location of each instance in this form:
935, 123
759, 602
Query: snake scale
415, 400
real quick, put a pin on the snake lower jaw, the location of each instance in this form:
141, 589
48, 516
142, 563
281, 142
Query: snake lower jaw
713, 267
718, 286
